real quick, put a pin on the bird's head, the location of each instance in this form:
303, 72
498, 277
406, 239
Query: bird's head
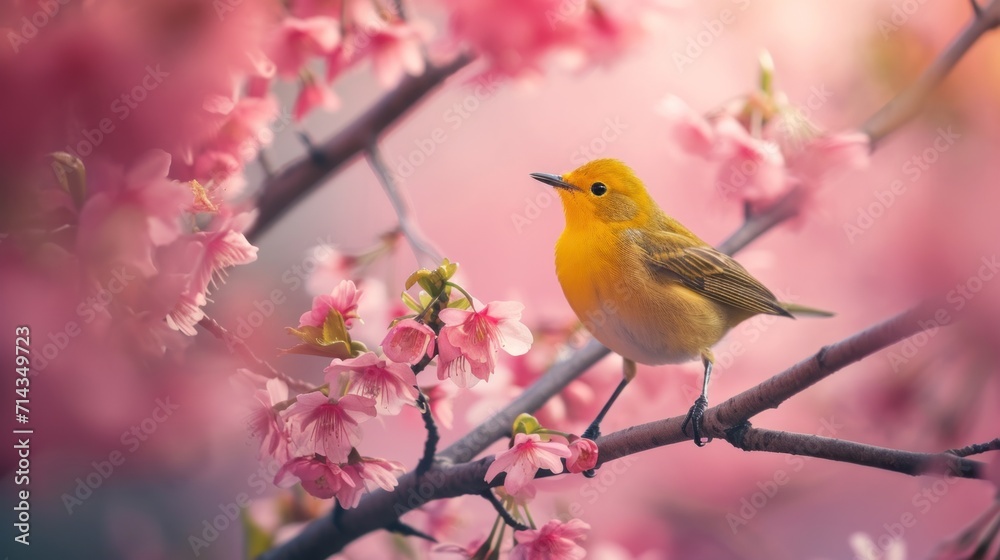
601, 191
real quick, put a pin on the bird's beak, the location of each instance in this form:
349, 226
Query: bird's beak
553, 180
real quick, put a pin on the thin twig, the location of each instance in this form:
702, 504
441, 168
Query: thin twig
548, 385
502, 511
420, 245
240, 348
910, 101
906, 462
306, 173
976, 448
401, 528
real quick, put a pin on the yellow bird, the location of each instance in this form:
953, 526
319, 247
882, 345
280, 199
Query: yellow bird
643, 284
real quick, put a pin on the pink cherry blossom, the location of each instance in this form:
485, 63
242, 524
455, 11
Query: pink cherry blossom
223, 246
389, 384
314, 95
264, 422
138, 209
318, 476
583, 455
470, 340
329, 425
556, 540
528, 454
369, 473
409, 341
760, 167
344, 298
396, 50
441, 399
516, 35
299, 39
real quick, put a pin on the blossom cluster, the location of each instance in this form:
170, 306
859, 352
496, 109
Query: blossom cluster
764, 146
315, 435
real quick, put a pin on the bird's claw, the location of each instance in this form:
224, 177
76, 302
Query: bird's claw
694, 417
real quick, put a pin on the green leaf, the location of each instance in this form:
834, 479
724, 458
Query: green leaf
526, 424
258, 541
428, 284
334, 328
307, 334
336, 350
447, 269
766, 73
358, 348
412, 303
331, 341
412, 279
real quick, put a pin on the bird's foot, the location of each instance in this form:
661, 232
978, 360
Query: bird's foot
694, 417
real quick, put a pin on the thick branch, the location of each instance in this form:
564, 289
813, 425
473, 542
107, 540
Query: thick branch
909, 102
758, 224
322, 538
306, 173
770, 393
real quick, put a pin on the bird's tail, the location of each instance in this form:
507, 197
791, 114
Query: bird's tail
804, 311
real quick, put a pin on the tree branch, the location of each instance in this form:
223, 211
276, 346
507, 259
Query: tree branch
909, 102
380, 509
906, 462
719, 419
322, 538
420, 245
303, 175
976, 448
238, 347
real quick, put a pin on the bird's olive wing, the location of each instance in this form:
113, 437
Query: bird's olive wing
673, 257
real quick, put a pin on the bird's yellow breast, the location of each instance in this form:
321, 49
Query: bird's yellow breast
640, 317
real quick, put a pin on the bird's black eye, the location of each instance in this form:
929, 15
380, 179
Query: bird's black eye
598, 189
